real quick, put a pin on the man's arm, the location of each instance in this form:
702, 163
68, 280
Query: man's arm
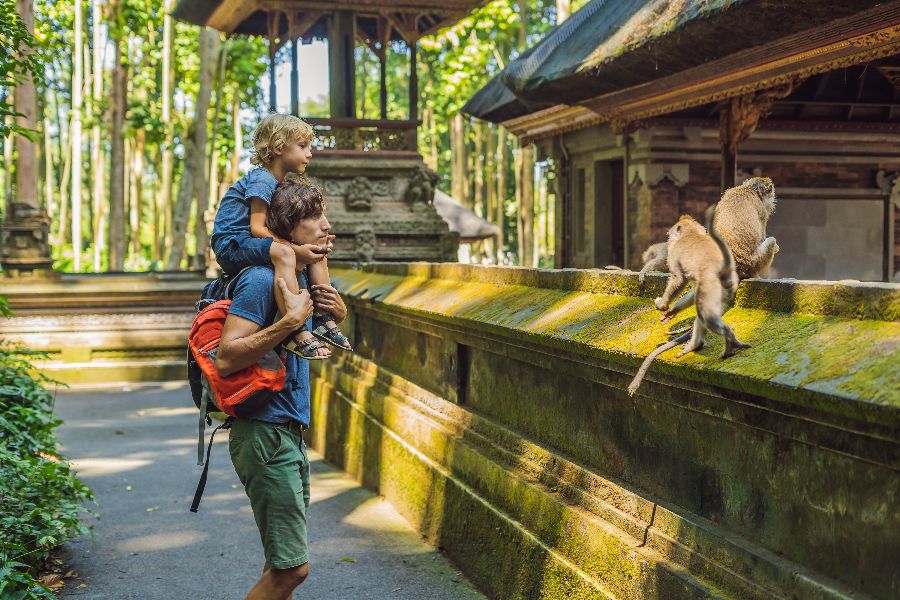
244, 342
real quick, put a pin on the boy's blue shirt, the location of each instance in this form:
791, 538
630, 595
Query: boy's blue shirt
253, 299
233, 216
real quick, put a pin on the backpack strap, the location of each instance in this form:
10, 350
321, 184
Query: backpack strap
201, 485
229, 287
204, 404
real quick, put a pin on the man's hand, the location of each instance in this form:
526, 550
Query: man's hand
329, 300
298, 307
310, 254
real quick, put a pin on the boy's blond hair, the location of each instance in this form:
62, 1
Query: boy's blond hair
273, 132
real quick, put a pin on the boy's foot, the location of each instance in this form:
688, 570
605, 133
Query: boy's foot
329, 333
305, 346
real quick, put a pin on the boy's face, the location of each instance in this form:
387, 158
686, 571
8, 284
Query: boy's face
296, 156
311, 231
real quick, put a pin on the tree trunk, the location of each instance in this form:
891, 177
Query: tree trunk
98, 160
502, 167
478, 170
77, 88
193, 178
459, 181
49, 178
204, 220
137, 190
527, 205
490, 201
63, 234
164, 198
563, 10
238, 137
117, 156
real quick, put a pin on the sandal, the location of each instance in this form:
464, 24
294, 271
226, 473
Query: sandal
307, 349
333, 337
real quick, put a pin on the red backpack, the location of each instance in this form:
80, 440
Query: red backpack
236, 395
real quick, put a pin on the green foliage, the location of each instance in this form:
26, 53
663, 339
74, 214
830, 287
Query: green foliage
40, 498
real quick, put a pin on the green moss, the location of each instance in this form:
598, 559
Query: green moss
804, 355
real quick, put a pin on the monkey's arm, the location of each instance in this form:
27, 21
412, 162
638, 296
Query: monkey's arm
656, 264
675, 285
764, 256
680, 305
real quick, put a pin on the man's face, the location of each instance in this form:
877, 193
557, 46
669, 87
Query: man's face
296, 156
311, 231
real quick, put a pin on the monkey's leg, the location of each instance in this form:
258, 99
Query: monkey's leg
764, 256
675, 285
657, 264
698, 337
732, 344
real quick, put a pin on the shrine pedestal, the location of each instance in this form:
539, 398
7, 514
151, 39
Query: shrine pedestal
380, 205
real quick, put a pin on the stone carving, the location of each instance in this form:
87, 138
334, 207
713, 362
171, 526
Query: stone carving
359, 194
420, 192
364, 244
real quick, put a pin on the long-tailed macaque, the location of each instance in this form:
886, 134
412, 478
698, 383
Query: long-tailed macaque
707, 261
741, 219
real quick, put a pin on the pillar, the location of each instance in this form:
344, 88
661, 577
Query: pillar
413, 84
295, 77
342, 64
25, 240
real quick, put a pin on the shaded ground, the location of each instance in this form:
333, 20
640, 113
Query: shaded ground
137, 450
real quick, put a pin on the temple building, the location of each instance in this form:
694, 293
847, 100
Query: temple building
380, 193
648, 110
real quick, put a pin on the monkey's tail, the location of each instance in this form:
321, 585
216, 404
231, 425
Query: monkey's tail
728, 267
639, 377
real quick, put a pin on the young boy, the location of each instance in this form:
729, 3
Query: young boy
240, 238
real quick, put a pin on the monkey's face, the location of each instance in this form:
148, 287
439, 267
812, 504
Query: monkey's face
765, 189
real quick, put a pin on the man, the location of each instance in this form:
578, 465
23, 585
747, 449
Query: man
267, 449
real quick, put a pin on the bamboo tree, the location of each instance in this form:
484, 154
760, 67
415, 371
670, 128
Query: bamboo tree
490, 201
193, 176
77, 83
502, 167
203, 220
478, 170
97, 157
163, 233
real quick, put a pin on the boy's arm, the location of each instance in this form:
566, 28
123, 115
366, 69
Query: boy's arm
307, 253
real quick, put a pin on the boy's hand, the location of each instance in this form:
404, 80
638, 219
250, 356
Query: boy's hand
298, 307
310, 254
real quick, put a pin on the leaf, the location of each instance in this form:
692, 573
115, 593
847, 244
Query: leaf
349, 560
153, 509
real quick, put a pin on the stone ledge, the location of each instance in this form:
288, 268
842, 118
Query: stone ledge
841, 365
848, 298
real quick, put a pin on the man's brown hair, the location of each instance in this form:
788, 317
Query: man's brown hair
293, 201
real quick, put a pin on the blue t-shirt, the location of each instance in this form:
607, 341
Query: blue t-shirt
233, 216
253, 299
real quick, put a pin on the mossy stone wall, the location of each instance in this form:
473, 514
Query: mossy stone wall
778, 461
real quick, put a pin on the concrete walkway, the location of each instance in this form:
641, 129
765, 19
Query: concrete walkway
137, 450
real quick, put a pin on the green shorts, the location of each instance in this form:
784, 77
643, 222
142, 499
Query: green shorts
271, 462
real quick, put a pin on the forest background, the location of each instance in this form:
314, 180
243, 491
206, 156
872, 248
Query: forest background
127, 95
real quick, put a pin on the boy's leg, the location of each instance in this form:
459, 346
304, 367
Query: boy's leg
284, 261
318, 275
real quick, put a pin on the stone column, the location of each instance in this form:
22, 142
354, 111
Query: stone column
342, 64
25, 239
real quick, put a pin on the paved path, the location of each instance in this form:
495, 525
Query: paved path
137, 450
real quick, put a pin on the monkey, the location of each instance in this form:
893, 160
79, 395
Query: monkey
706, 260
741, 219
654, 259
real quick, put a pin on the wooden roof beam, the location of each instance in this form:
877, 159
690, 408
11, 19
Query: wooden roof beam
231, 13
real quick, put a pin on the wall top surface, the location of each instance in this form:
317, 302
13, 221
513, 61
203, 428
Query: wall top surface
820, 346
